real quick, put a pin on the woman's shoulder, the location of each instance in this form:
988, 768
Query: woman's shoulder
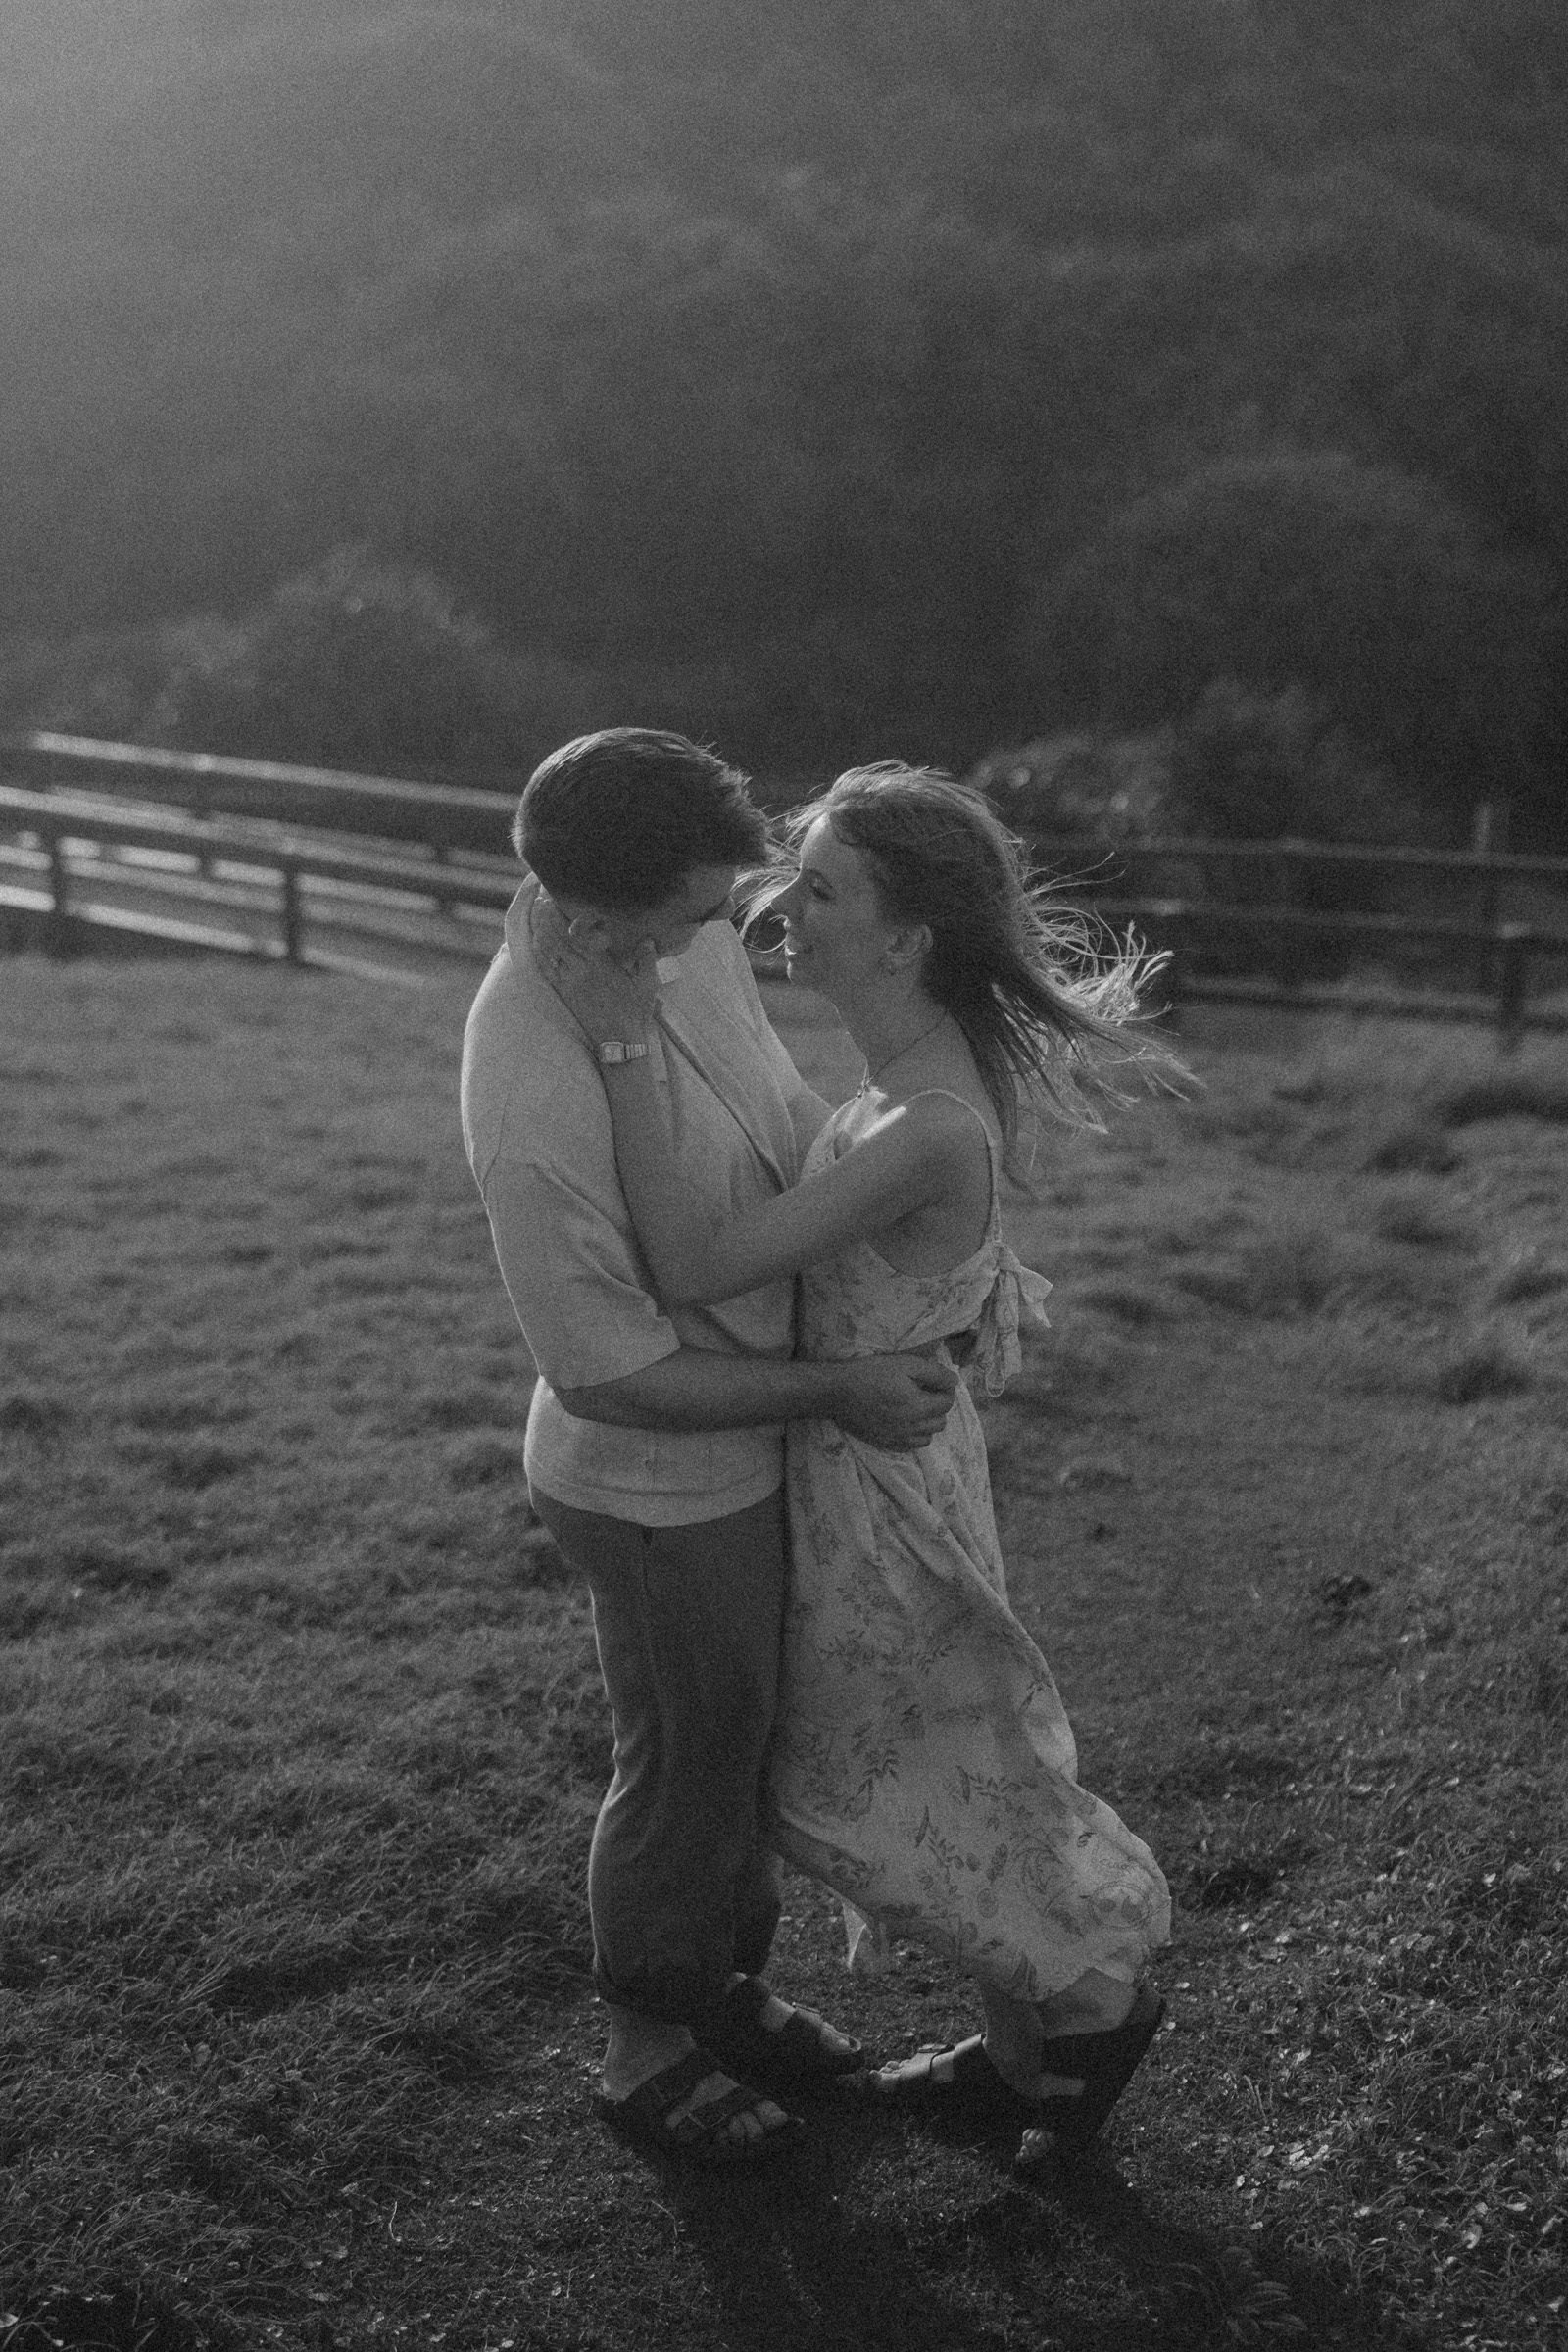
934, 1123
944, 1114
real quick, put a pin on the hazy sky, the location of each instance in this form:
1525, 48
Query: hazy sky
65, 66
54, 40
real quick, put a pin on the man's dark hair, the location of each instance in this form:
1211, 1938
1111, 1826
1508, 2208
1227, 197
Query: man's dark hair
619, 818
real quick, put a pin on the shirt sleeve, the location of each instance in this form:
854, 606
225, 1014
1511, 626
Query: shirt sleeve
572, 1275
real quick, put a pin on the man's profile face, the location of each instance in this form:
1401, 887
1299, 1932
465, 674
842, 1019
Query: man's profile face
705, 894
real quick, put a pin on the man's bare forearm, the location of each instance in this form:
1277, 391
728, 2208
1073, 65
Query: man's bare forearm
694, 1389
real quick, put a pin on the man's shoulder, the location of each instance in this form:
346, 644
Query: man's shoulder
517, 1025
524, 1067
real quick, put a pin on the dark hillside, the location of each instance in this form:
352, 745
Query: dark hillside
830, 351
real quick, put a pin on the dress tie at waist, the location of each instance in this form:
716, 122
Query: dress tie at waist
1017, 1294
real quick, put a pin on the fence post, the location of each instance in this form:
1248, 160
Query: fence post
293, 913
201, 807
1292, 960
59, 913
1488, 832
1514, 942
1172, 992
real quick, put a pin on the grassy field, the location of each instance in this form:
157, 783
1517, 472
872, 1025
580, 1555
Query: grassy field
303, 1737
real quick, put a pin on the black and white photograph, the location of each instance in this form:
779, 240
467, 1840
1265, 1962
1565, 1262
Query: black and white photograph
783, 1176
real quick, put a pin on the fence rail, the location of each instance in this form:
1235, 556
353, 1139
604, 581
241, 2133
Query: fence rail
51, 821
1070, 851
446, 846
448, 817
1508, 950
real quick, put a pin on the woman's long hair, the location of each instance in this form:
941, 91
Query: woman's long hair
1046, 997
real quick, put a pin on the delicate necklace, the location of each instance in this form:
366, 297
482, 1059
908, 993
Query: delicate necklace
871, 1076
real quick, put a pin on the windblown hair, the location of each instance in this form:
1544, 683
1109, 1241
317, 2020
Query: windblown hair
618, 818
1047, 997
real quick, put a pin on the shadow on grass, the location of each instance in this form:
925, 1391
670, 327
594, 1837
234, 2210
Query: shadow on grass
1079, 2259
1210, 2289
122, 2319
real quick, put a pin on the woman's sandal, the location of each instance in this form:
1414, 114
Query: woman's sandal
1107, 2062
793, 2056
967, 2091
701, 2136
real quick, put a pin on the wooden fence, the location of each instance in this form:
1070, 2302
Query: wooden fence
411, 874
1241, 902
441, 818
446, 846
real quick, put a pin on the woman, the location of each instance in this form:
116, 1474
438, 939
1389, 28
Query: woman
924, 1767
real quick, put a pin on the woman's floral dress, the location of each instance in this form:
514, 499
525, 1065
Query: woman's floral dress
923, 1765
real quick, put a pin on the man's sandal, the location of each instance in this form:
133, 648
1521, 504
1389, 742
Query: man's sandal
1107, 2062
793, 2056
701, 2136
957, 2085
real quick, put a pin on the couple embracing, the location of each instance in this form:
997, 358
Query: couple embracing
750, 1437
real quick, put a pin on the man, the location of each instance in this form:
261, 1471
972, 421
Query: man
654, 1443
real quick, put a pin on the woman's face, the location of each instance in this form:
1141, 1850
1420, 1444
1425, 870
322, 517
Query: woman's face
835, 933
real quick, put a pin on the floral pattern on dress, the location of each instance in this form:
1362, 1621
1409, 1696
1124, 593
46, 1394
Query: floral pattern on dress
923, 1766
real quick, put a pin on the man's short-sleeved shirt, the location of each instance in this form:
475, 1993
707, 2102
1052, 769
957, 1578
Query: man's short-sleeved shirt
537, 1126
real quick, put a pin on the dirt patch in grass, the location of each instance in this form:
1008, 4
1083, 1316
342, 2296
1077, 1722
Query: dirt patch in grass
304, 1732
1486, 1367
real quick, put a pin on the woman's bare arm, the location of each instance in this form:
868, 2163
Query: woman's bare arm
916, 1158
912, 1161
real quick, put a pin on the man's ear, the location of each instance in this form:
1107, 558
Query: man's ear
585, 929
